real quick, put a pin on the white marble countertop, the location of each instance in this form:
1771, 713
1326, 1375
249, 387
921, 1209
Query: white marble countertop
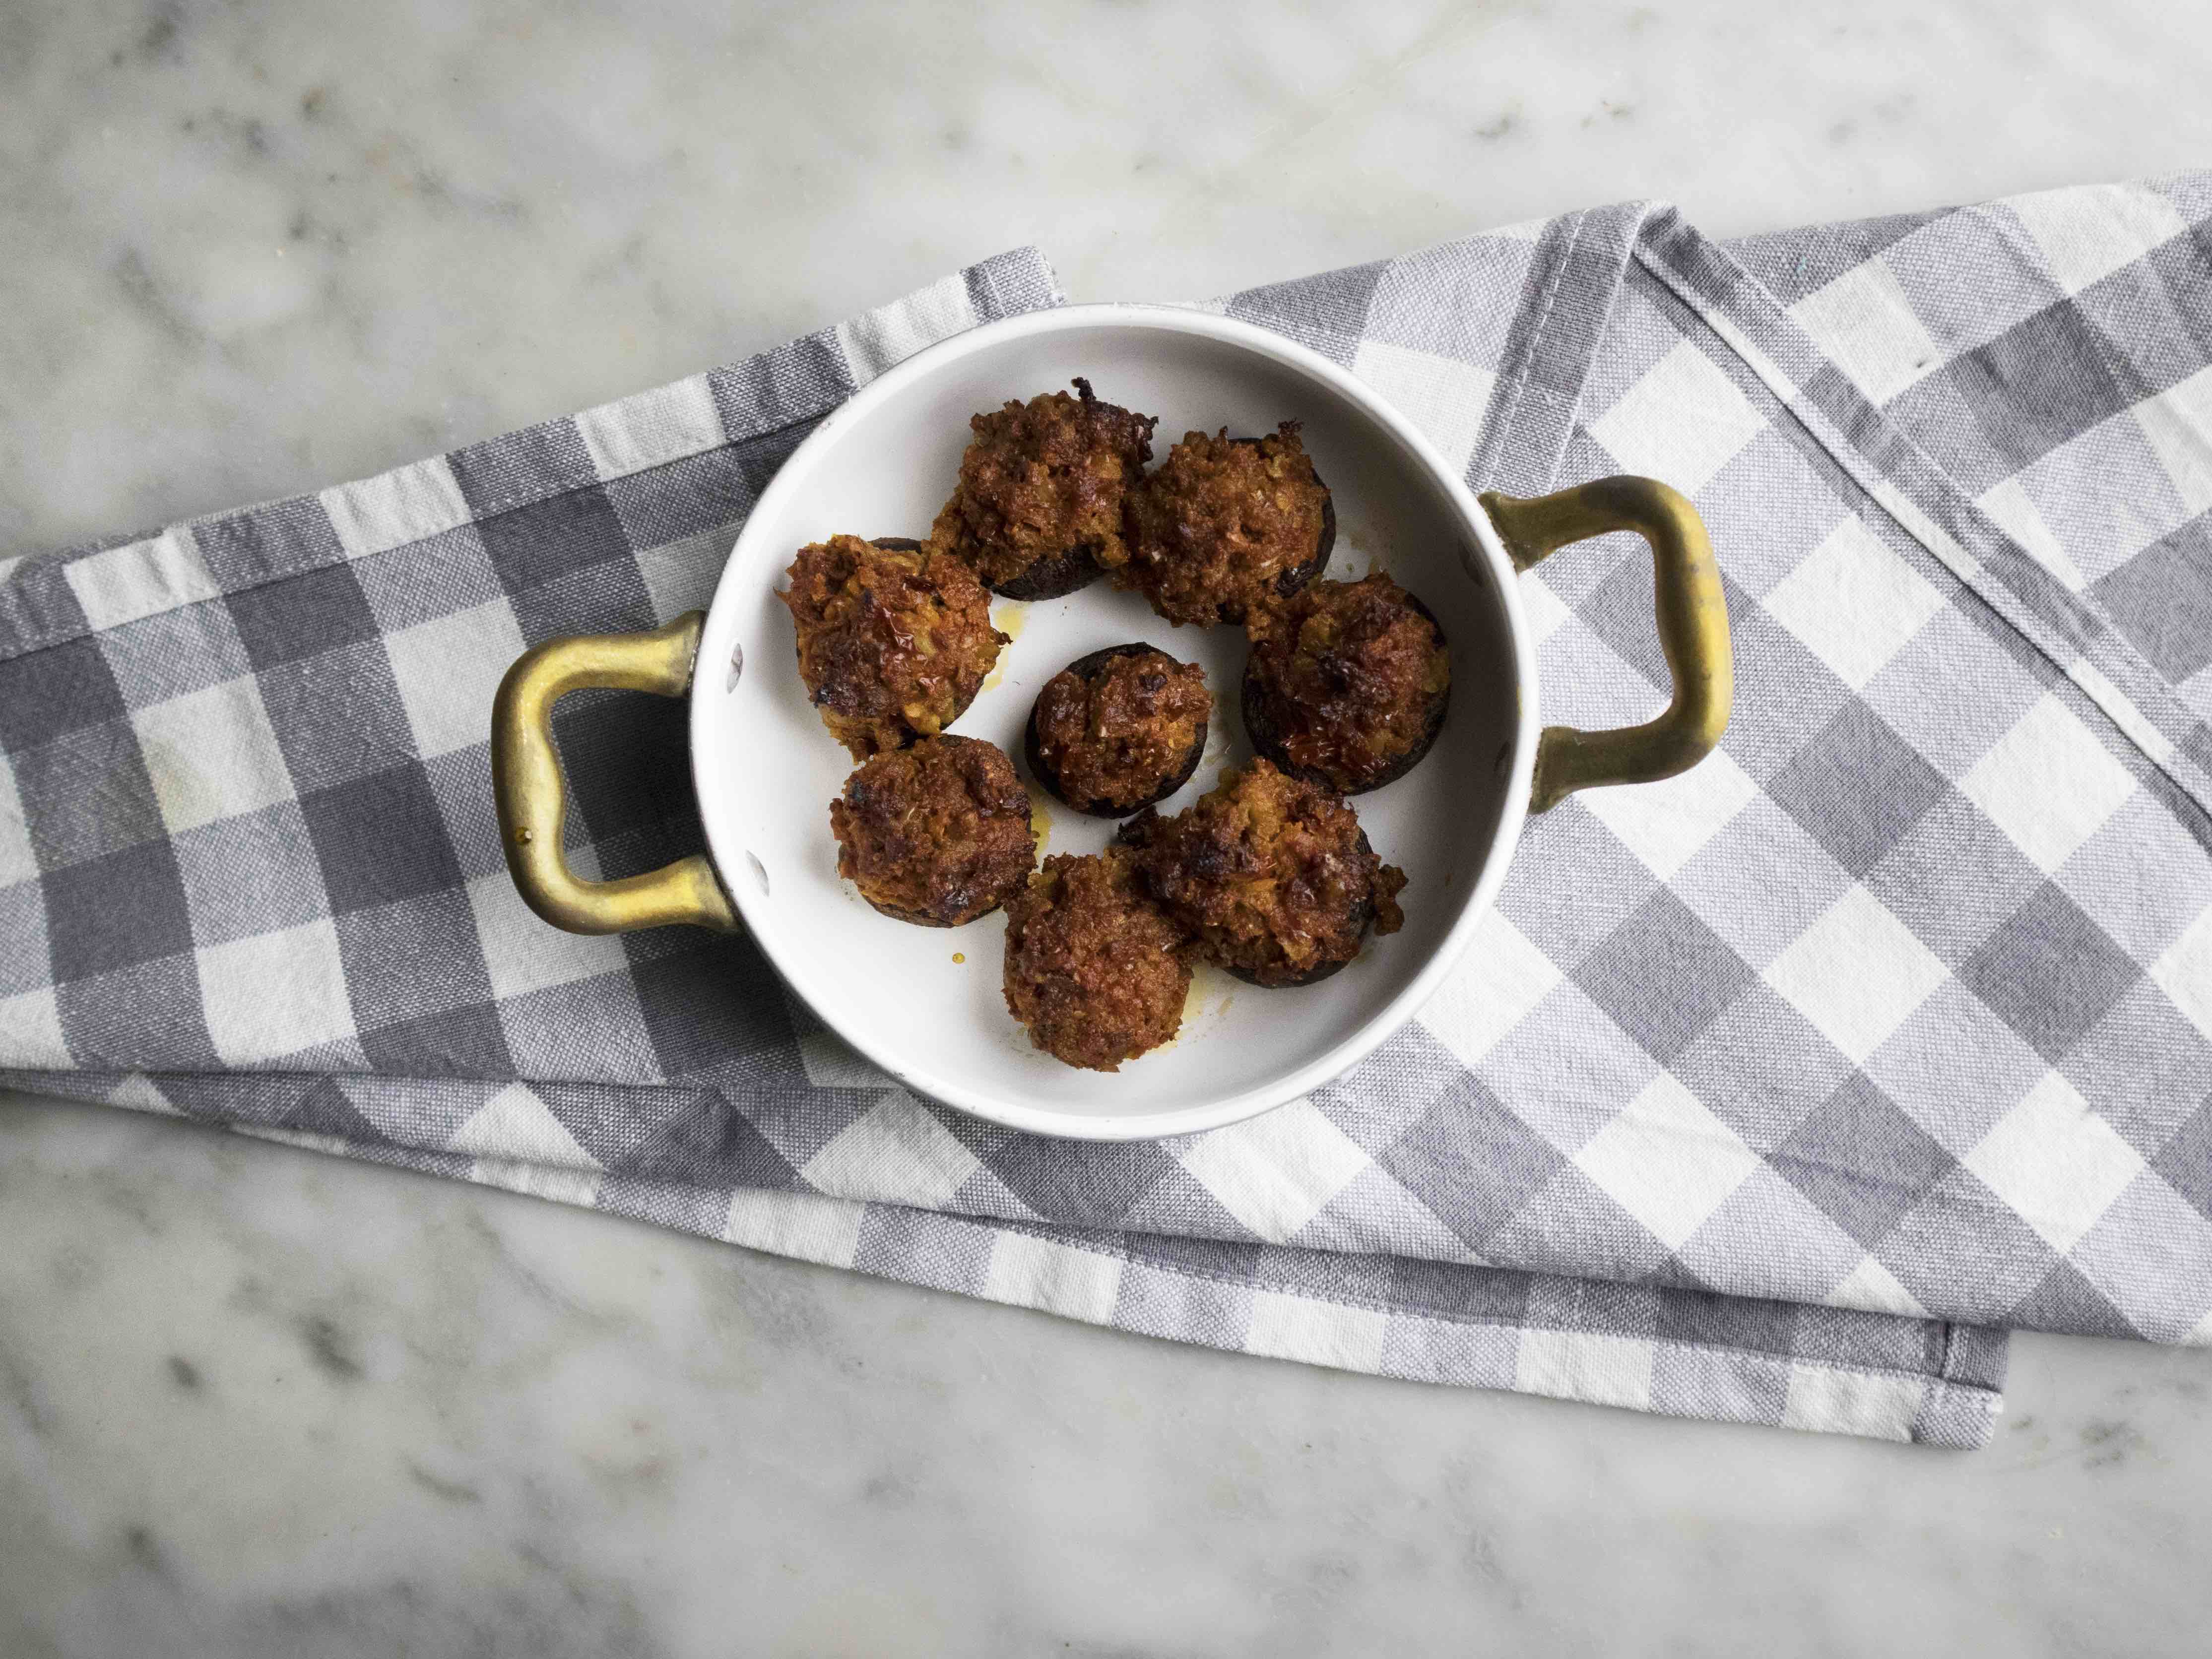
256, 1401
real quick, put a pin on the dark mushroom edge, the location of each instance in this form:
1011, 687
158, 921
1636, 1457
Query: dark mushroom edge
1054, 576
1268, 738
1088, 668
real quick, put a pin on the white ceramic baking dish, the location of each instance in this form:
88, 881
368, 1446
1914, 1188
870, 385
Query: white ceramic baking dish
924, 1003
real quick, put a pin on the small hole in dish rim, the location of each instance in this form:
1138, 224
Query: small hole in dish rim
736, 669
760, 873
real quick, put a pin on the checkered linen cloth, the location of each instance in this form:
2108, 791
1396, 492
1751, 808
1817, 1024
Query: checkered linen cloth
1771, 1093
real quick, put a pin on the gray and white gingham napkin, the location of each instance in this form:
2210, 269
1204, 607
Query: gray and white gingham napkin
1774, 1093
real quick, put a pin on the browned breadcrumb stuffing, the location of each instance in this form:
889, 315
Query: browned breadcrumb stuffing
1274, 877
893, 643
1043, 479
1389, 882
938, 834
1094, 968
1116, 737
1220, 523
1353, 679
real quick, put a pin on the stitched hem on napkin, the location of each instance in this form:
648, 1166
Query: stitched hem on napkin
1562, 1343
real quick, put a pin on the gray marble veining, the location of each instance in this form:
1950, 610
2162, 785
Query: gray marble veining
254, 1401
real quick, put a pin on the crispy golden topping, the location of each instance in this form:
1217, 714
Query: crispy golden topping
1043, 479
893, 643
1351, 678
1272, 876
1220, 524
1094, 968
938, 833
1116, 736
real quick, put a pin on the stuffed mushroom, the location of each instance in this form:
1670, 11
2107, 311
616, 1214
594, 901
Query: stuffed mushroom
1119, 729
937, 835
1224, 523
895, 638
1348, 682
1095, 969
1273, 877
1041, 493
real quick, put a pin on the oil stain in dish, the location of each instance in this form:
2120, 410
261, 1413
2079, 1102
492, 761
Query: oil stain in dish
959, 956
1009, 616
1205, 1003
1040, 821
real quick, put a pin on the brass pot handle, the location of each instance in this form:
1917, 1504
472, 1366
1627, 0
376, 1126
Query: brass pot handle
525, 780
1693, 630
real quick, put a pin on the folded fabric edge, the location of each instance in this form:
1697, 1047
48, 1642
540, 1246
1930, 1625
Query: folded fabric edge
1082, 1280
1100, 1279
1905, 483
287, 1111
1061, 1271
1549, 347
